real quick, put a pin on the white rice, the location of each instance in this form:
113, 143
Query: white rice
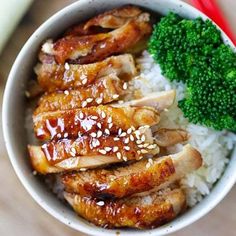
215, 146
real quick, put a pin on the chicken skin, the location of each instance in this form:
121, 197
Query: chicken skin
135, 212
52, 77
106, 21
70, 123
135, 178
105, 90
92, 151
91, 48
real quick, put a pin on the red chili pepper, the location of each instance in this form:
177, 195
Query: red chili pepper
213, 11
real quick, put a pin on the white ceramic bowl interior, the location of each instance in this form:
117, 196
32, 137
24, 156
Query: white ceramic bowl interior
14, 105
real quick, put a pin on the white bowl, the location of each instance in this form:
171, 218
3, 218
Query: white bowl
14, 106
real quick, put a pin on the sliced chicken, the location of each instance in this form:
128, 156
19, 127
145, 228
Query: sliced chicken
105, 90
108, 20
90, 152
53, 77
112, 120
135, 212
91, 48
134, 178
158, 100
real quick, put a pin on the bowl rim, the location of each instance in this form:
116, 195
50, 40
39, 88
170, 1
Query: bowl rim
163, 230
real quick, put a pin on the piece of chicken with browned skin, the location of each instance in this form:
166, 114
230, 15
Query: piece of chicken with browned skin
52, 77
106, 21
92, 151
104, 90
135, 178
97, 150
68, 123
91, 48
135, 212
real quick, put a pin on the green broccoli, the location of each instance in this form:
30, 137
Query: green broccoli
192, 51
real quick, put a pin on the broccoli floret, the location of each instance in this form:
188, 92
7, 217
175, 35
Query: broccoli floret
192, 51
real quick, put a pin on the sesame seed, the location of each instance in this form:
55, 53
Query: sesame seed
84, 104
102, 151
99, 125
119, 131
79, 134
110, 125
140, 157
144, 151
129, 131
125, 86
133, 128
89, 100
127, 148
118, 154
103, 114
116, 139
107, 149
94, 117
138, 152
99, 133
34, 172
120, 102
143, 138
126, 140
82, 169
115, 149
150, 161
65, 135
148, 165
141, 127
112, 178
107, 131
95, 143
115, 96
140, 145
131, 137
123, 134
152, 146
66, 92
73, 150
67, 67
72, 154
27, 94
137, 132
93, 134
125, 158
166, 109
81, 115
145, 145
84, 81
98, 100
109, 120
138, 141
100, 203
59, 135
